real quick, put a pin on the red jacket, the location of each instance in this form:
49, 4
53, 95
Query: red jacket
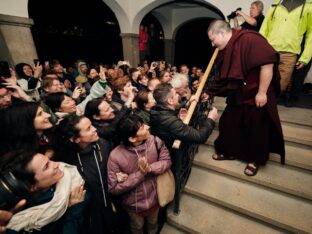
143, 40
139, 191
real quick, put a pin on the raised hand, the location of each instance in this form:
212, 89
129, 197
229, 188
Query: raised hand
213, 114
77, 195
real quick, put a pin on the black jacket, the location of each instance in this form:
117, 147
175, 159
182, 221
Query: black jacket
166, 125
92, 164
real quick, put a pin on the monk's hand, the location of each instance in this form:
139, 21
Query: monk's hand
261, 99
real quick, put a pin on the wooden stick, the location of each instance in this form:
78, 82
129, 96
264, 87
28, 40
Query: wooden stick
176, 144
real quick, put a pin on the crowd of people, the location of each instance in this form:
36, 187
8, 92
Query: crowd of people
95, 122
81, 147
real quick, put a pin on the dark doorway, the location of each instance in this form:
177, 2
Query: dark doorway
192, 46
75, 29
156, 43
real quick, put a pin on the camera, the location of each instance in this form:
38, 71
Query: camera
12, 191
37, 62
5, 69
155, 63
233, 14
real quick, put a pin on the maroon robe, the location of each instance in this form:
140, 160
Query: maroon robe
247, 132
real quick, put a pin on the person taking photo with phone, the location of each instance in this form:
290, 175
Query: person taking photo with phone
29, 78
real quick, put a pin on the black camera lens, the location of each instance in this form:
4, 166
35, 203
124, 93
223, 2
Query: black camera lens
12, 191
233, 13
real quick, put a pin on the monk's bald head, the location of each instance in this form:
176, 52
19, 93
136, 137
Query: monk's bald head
219, 33
217, 26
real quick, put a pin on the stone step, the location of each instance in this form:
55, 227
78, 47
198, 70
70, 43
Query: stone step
287, 179
212, 137
296, 155
168, 229
300, 116
298, 134
279, 209
199, 216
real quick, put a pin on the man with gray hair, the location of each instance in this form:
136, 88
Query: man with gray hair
180, 83
250, 127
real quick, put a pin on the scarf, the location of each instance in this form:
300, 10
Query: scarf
38, 216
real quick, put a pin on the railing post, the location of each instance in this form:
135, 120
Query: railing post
181, 150
178, 169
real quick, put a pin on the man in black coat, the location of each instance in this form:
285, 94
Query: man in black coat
166, 124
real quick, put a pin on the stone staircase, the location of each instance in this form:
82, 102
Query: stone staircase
219, 198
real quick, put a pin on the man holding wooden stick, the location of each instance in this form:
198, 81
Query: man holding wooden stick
250, 127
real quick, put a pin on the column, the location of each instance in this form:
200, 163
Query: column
130, 45
16, 41
169, 50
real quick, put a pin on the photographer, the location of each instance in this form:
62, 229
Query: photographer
252, 22
29, 78
10, 91
124, 92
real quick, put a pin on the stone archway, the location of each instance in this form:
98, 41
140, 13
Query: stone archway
129, 14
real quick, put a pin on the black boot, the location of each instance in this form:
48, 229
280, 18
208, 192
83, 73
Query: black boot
288, 100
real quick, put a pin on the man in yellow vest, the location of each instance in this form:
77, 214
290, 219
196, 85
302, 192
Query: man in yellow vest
287, 24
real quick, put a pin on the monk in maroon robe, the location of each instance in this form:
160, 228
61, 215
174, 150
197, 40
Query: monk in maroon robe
249, 128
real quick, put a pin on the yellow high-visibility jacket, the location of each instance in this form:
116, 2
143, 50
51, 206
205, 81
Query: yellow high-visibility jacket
285, 30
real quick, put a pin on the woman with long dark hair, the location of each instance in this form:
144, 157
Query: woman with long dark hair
25, 126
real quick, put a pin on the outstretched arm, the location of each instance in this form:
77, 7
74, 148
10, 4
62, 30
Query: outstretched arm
250, 20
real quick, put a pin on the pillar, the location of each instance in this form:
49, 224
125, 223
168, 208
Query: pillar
169, 50
16, 41
130, 45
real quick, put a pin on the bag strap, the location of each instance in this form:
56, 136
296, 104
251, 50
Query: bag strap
155, 142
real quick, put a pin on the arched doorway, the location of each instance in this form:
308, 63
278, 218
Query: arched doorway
75, 29
190, 49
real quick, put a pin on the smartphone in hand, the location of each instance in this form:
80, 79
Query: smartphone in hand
5, 69
37, 62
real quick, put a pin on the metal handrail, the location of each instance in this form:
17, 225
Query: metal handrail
176, 144
184, 152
